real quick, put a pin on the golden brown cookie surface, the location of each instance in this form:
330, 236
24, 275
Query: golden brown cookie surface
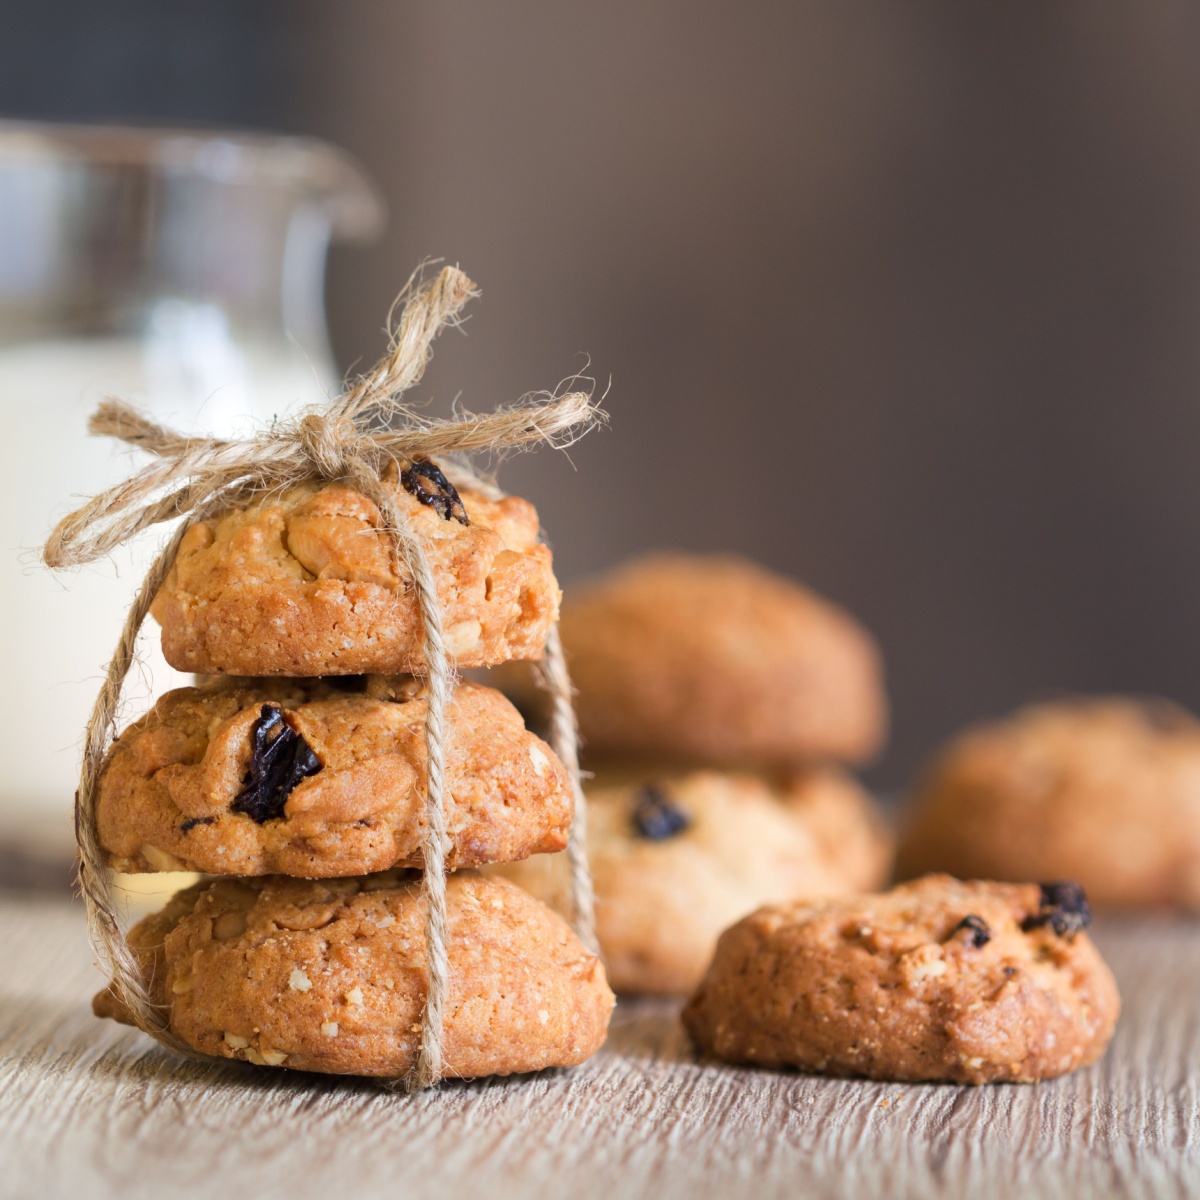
306, 584
934, 980
713, 660
675, 861
301, 777
331, 976
1104, 790
845, 823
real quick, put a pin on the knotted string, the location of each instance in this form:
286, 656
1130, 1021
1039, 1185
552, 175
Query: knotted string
354, 438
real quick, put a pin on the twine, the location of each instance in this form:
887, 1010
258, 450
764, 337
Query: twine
356, 437
564, 741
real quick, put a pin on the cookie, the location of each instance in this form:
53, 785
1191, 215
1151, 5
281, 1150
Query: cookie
934, 980
301, 777
675, 861
1106, 791
844, 822
306, 583
331, 976
716, 661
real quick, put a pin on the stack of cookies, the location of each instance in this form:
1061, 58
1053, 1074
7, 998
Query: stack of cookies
718, 704
296, 772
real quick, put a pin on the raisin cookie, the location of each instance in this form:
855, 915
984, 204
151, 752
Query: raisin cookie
675, 861
715, 661
1106, 791
302, 777
307, 583
331, 976
935, 980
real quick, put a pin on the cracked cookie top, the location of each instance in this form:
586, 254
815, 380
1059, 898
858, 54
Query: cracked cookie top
307, 583
320, 778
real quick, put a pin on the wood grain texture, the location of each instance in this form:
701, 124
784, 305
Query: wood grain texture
90, 1109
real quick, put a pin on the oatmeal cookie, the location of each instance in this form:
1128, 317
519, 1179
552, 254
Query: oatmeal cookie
306, 583
331, 976
302, 777
676, 860
844, 822
716, 661
934, 980
1103, 790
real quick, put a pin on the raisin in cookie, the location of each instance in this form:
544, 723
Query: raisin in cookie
675, 861
715, 661
306, 583
935, 980
300, 777
331, 976
1106, 791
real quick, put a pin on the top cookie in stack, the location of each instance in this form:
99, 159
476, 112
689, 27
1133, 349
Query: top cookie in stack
322, 776
307, 583
716, 702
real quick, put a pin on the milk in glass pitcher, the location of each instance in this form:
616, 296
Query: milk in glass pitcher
183, 272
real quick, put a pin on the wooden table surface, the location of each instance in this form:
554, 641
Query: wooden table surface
89, 1109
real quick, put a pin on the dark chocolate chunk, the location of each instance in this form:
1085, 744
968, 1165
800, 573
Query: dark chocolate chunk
279, 759
976, 929
1064, 908
655, 816
192, 822
425, 481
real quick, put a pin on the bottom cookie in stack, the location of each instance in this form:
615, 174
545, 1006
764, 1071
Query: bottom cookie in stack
934, 980
676, 861
331, 975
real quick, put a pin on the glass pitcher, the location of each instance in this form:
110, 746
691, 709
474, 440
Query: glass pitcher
184, 272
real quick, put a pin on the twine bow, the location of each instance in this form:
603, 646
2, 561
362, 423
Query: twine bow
355, 438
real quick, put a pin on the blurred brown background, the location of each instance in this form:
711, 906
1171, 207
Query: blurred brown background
902, 300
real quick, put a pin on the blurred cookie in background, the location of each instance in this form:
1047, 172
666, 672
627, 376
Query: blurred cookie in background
714, 699
1104, 790
845, 822
677, 860
714, 661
